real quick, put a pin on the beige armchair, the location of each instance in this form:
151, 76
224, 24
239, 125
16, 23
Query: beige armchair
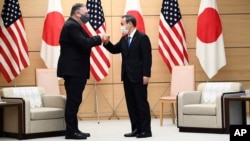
203, 110
43, 115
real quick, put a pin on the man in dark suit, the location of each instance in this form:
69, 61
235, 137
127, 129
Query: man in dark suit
74, 65
135, 48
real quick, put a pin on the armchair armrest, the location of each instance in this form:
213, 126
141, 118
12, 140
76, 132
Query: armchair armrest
26, 106
11, 99
24, 100
220, 112
184, 98
56, 101
219, 105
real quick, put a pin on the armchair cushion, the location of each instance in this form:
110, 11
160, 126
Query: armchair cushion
200, 109
46, 113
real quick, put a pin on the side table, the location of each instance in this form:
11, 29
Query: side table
229, 100
20, 117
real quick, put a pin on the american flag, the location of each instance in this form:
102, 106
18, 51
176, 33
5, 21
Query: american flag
99, 60
13, 44
172, 40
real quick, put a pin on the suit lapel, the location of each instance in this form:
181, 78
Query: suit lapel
133, 39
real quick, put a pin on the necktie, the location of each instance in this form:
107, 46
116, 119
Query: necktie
129, 41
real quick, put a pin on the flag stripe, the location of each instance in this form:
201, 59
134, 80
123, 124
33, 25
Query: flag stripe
21, 42
99, 65
178, 40
17, 45
99, 59
14, 50
101, 56
174, 44
166, 58
167, 46
98, 72
166, 51
9, 60
9, 43
4, 70
172, 39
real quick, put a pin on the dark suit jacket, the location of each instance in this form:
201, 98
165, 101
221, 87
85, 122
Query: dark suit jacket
137, 60
74, 59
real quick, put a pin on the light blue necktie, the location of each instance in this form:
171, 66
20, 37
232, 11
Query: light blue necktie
129, 41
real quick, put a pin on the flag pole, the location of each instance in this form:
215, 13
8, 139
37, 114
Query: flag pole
207, 79
96, 102
14, 82
96, 105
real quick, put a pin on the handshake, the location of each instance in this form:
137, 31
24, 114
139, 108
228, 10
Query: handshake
105, 37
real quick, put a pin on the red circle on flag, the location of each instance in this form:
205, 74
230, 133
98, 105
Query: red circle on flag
209, 26
52, 28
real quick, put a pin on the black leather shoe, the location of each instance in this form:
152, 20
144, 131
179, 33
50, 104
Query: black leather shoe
144, 135
84, 134
132, 134
75, 135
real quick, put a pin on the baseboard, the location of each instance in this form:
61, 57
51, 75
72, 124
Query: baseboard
202, 130
35, 135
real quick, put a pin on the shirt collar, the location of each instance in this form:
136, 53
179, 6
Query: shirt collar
132, 33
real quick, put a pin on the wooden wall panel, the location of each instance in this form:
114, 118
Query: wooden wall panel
34, 30
153, 30
236, 30
233, 6
33, 9
159, 71
189, 7
117, 8
236, 69
224, 6
116, 67
235, 17
97, 99
156, 90
120, 107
